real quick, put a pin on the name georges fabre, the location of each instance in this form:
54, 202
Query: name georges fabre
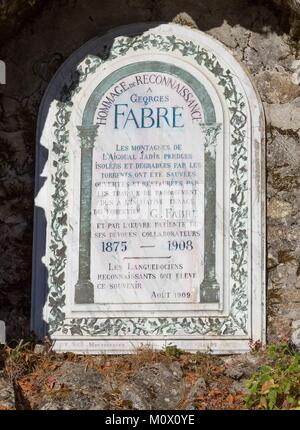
134, 421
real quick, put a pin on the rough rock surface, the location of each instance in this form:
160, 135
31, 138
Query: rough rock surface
155, 387
243, 366
263, 35
71, 386
7, 395
199, 388
137, 382
296, 333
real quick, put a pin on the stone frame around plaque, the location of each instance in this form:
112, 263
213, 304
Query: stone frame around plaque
219, 331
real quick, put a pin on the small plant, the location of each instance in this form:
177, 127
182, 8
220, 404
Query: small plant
277, 384
173, 351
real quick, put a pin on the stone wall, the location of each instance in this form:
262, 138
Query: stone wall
39, 35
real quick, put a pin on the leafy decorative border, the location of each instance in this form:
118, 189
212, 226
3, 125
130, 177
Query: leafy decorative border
236, 322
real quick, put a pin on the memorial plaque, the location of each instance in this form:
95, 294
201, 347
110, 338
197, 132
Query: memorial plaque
153, 200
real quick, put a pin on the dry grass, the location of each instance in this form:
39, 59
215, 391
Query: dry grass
33, 373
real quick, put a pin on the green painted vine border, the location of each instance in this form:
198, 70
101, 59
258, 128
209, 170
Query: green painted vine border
237, 321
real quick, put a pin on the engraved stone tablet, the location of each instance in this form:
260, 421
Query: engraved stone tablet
153, 200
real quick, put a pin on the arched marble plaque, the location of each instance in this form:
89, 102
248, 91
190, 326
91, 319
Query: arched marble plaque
154, 200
